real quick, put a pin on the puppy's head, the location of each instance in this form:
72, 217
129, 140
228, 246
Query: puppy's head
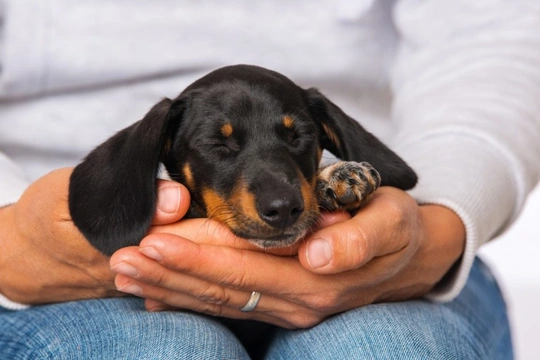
246, 141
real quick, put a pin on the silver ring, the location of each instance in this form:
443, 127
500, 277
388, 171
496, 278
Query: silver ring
252, 302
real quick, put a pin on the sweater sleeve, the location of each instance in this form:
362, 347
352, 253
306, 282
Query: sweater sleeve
467, 105
12, 181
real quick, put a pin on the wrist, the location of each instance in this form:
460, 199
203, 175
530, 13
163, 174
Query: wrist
6, 239
11, 305
6, 233
444, 235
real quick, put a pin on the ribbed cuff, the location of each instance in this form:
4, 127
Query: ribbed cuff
472, 177
11, 305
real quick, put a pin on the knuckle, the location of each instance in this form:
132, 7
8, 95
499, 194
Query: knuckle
234, 280
213, 294
165, 297
359, 248
396, 210
159, 278
326, 303
210, 309
237, 278
351, 248
240, 281
399, 216
304, 320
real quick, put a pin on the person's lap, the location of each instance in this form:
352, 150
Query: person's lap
473, 326
117, 328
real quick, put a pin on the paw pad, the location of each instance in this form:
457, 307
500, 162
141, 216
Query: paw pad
346, 185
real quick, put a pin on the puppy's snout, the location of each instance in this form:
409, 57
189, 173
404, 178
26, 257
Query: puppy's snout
281, 208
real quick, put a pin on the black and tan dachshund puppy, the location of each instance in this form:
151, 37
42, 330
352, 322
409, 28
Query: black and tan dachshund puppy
247, 143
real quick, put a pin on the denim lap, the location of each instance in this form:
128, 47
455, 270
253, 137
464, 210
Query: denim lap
113, 329
473, 326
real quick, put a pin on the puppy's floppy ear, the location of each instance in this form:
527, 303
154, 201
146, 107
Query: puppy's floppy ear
112, 193
348, 140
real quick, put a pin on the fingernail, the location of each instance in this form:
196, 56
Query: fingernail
131, 289
168, 199
156, 309
125, 269
151, 252
319, 253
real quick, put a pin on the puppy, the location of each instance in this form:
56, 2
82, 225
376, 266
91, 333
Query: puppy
246, 142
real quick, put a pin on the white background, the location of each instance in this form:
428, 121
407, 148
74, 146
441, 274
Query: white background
515, 259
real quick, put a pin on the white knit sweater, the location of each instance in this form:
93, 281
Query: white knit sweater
452, 86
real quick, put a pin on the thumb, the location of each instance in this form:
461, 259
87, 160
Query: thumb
384, 226
172, 202
335, 249
154, 305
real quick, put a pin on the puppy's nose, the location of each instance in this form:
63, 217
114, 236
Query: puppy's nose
282, 209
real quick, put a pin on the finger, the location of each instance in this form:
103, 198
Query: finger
234, 268
154, 306
171, 299
173, 201
208, 231
336, 248
377, 230
131, 264
147, 278
204, 231
292, 317
298, 296
331, 218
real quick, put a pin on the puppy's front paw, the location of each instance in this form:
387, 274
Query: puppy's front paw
346, 185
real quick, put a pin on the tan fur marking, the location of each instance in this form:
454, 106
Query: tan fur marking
313, 183
227, 130
326, 173
188, 175
332, 136
218, 208
288, 122
308, 194
340, 189
239, 211
319, 155
245, 201
167, 144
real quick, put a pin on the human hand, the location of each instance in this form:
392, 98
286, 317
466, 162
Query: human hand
391, 250
46, 259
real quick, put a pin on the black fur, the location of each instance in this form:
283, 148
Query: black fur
113, 191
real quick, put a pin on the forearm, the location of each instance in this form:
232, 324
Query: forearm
4, 301
466, 101
12, 185
44, 258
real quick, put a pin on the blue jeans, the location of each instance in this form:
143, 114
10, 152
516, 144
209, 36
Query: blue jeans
473, 326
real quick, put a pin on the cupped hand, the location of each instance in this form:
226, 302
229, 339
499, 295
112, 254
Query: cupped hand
44, 257
391, 250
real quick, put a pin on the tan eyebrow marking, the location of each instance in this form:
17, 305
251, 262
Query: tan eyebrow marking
189, 176
288, 122
227, 130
